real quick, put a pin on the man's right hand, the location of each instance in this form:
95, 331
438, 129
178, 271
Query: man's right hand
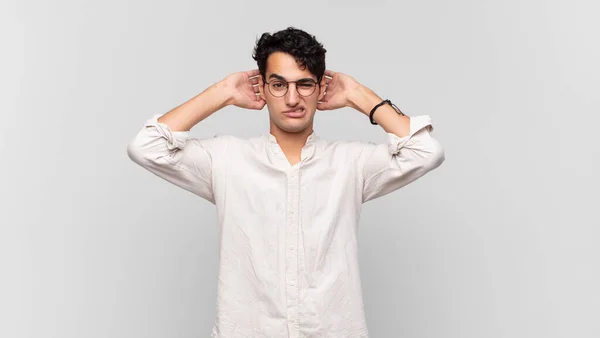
243, 87
237, 89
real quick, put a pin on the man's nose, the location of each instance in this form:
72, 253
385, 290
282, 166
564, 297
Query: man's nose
291, 97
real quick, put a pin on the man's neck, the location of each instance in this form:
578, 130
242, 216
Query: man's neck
291, 143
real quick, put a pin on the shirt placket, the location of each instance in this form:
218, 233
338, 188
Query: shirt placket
292, 225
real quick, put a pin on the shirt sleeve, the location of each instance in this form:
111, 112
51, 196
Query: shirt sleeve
401, 160
174, 156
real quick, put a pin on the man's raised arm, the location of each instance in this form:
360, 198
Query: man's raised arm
163, 145
410, 151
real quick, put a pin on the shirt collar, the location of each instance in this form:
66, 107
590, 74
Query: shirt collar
308, 150
310, 140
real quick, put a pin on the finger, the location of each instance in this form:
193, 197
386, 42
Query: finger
323, 99
259, 104
253, 72
254, 80
329, 73
322, 106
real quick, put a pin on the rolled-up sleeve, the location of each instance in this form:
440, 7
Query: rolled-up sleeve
174, 156
401, 160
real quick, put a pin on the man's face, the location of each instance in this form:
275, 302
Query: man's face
283, 66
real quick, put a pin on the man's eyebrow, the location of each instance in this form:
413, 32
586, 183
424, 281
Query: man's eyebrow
279, 77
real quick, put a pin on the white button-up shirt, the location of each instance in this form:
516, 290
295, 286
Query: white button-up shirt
288, 261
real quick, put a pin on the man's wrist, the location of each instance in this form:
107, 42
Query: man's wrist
223, 93
363, 99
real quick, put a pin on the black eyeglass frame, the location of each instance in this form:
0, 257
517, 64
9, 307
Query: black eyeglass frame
287, 86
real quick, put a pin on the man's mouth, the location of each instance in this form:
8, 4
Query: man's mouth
295, 113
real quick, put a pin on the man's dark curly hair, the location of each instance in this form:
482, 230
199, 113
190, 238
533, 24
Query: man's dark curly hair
304, 47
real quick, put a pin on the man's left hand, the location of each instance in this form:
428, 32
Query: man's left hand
339, 90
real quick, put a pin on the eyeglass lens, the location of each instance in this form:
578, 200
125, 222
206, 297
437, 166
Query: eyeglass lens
280, 88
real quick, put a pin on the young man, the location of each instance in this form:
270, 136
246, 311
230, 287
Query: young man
288, 202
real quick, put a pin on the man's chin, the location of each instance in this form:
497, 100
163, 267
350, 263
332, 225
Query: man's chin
293, 126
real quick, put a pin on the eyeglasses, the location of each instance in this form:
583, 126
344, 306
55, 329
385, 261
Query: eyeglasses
279, 88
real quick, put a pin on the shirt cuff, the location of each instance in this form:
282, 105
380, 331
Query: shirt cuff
175, 139
417, 123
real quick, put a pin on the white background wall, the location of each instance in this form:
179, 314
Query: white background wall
500, 241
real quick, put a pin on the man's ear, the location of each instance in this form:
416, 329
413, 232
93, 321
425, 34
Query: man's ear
322, 88
261, 87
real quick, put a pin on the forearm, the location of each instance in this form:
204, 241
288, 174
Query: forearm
364, 99
201, 106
